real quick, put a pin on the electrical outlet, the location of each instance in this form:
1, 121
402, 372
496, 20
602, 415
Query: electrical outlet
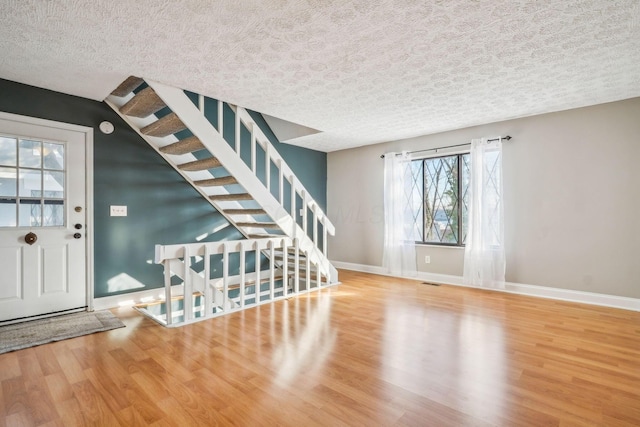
427, 259
118, 210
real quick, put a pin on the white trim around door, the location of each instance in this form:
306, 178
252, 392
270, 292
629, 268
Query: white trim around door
88, 137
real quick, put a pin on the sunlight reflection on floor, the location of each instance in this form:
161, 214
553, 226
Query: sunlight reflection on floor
306, 343
424, 348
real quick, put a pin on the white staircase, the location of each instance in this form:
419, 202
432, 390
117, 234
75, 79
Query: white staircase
246, 180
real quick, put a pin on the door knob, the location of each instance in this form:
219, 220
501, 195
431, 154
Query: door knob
30, 238
77, 235
78, 226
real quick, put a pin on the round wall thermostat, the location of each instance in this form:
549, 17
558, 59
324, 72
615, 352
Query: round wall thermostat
106, 127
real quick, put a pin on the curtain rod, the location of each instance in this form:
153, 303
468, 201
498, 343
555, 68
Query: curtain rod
451, 146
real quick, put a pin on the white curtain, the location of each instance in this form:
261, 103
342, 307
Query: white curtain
399, 256
484, 256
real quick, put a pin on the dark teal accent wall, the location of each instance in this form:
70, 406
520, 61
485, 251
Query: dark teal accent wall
162, 208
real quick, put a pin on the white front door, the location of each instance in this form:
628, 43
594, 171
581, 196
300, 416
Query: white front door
43, 252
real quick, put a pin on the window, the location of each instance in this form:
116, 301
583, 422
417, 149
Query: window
438, 199
32, 187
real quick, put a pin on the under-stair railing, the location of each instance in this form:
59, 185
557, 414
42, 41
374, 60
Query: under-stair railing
230, 293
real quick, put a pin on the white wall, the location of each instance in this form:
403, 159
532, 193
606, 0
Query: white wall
572, 199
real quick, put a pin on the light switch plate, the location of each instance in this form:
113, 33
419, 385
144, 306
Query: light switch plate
118, 210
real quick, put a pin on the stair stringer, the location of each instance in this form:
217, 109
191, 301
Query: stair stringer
213, 141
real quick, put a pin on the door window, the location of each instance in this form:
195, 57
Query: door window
32, 182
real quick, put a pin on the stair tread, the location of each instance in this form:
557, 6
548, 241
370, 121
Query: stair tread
225, 197
258, 224
127, 86
224, 180
187, 145
265, 236
145, 103
168, 125
245, 212
200, 165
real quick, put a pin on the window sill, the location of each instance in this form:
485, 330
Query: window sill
428, 245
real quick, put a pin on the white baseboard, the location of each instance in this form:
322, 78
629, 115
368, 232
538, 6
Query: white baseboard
515, 288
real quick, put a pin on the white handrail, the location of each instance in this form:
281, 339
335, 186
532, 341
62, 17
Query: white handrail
166, 252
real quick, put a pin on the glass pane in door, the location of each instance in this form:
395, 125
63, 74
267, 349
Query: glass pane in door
53, 184
53, 213
8, 182
30, 213
30, 183
30, 153
7, 212
8, 151
53, 155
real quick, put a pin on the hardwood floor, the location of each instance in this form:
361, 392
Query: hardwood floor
372, 351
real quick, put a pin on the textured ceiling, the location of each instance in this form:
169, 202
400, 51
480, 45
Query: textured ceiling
360, 71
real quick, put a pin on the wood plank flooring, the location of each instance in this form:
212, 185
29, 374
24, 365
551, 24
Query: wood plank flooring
373, 351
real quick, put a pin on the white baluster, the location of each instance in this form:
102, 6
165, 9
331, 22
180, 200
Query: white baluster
267, 166
257, 269
188, 286
201, 103
293, 200
296, 266
208, 291
324, 239
167, 290
237, 130
315, 225
280, 183
225, 276
285, 268
272, 268
327, 279
242, 274
304, 212
253, 150
220, 118
307, 277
